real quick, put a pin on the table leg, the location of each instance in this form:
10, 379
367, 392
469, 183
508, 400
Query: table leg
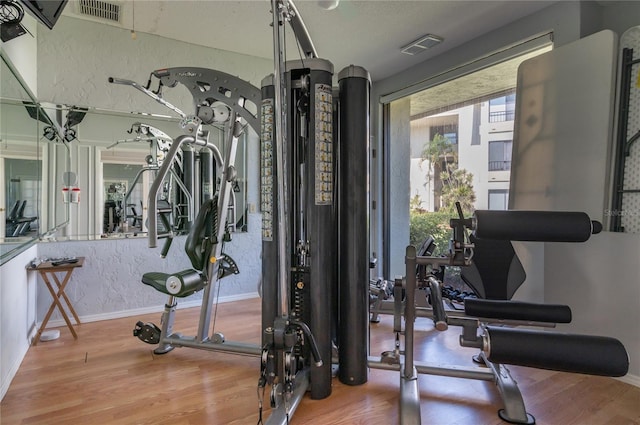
61, 287
56, 302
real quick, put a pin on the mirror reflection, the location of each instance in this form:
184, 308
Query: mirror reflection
31, 147
103, 192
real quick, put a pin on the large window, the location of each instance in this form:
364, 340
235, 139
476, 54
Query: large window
442, 148
500, 155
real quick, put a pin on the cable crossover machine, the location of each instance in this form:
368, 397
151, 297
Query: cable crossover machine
316, 294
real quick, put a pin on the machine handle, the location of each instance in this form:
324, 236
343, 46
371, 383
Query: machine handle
592, 355
166, 247
535, 226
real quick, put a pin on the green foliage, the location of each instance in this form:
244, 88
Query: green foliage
458, 187
439, 149
434, 224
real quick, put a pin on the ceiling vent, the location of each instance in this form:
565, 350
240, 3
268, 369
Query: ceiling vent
420, 45
99, 9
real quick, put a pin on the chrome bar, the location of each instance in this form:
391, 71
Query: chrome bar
157, 184
280, 107
148, 93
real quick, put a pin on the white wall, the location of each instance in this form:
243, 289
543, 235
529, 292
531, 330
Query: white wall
77, 57
17, 314
22, 52
600, 280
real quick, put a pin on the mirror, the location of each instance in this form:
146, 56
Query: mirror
30, 148
118, 156
103, 192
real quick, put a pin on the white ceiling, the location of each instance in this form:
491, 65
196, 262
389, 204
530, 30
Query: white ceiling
365, 33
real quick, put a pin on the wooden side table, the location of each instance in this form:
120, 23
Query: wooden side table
48, 270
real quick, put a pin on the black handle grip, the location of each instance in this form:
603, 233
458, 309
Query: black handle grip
535, 226
591, 355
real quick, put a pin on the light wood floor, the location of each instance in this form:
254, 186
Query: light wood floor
109, 377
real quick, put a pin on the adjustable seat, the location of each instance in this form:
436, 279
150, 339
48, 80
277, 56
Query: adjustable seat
200, 241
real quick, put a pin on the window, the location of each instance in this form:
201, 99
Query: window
498, 199
502, 108
500, 155
449, 131
420, 192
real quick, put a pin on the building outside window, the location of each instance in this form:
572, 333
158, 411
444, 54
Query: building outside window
502, 108
449, 131
498, 199
500, 155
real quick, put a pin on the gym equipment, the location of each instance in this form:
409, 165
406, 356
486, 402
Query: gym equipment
219, 99
314, 204
312, 224
499, 345
178, 209
17, 224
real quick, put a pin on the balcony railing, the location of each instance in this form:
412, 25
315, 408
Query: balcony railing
499, 165
499, 116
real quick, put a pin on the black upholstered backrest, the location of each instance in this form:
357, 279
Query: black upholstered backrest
496, 272
13, 214
199, 240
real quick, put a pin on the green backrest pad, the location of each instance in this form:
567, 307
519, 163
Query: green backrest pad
200, 239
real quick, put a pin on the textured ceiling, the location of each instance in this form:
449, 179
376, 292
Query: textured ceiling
365, 33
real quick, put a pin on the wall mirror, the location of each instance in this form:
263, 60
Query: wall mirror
34, 160
116, 157
82, 173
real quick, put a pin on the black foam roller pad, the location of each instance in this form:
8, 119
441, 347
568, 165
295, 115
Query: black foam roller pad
591, 355
517, 310
537, 226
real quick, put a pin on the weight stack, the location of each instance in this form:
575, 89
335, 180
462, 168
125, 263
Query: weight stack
268, 205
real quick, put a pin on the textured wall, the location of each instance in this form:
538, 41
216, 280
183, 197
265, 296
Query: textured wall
76, 59
108, 285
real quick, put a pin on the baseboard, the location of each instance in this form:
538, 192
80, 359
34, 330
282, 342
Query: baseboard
8, 376
148, 310
631, 379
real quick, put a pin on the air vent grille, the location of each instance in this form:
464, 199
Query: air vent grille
422, 44
100, 9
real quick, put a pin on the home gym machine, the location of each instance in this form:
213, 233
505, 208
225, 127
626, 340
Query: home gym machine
219, 99
159, 145
483, 321
306, 196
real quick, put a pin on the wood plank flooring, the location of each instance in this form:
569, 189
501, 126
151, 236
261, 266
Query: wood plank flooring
109, 377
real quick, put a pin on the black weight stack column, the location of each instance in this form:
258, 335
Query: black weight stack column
310, 126
355, 86
268, 205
